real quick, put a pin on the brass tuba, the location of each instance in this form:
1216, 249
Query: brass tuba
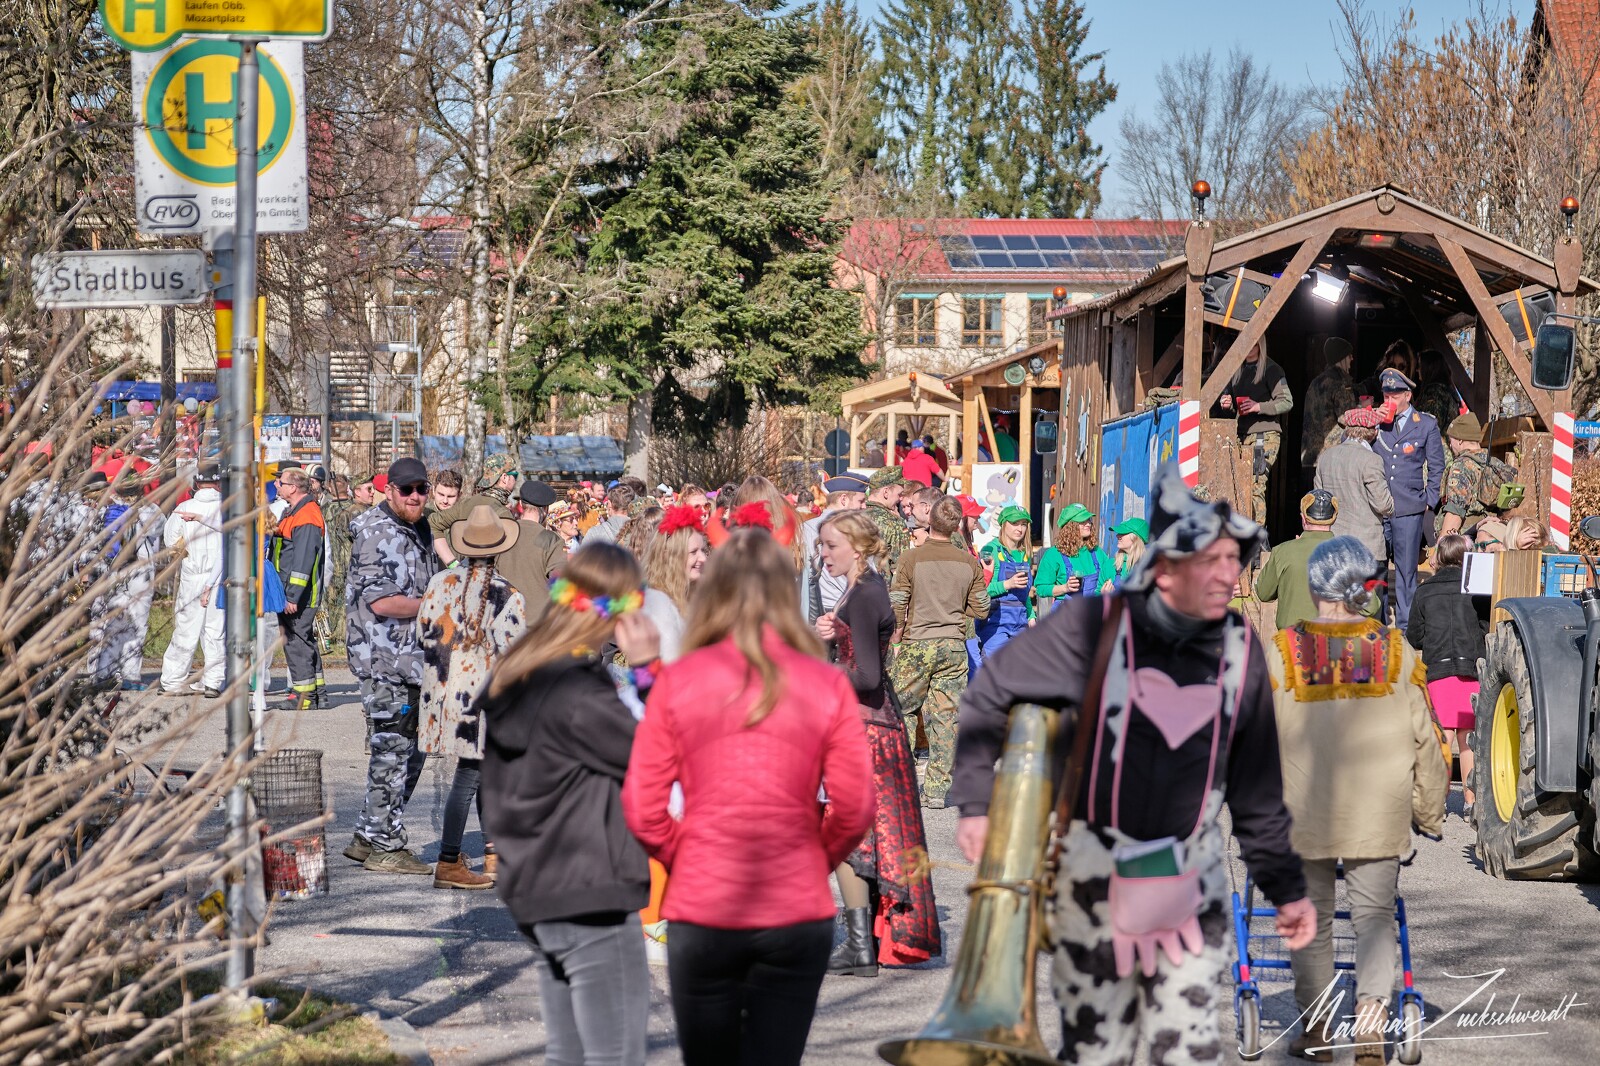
987, 1017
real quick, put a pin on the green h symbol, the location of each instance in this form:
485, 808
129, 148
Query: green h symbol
202, 110
130, 14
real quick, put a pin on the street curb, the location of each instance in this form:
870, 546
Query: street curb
403, 1039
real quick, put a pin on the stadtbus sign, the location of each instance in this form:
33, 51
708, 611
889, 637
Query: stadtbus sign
151, 25
120, 279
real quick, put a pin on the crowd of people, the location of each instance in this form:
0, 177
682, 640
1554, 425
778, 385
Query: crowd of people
678, 713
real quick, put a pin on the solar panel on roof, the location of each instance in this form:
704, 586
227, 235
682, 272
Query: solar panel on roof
1017, 242
1027, 259
1000, 260
986, 241
1081, 252
1050, 241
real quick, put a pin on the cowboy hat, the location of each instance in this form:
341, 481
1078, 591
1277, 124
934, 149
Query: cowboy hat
482, 535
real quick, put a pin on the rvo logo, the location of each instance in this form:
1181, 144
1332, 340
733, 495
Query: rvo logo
171, 212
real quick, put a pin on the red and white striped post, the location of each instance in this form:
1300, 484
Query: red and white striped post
1189, 442
1561, 481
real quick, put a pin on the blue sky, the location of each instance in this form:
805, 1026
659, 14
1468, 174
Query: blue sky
1296, 37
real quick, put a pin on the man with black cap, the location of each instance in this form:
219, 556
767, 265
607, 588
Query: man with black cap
532, 561
819, 590
391, 563
495, 484
1284, 577
1146, 876
1413, 457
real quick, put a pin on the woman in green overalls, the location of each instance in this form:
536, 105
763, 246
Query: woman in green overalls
1075, 564
1010, 576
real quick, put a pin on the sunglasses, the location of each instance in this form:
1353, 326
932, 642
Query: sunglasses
419, 489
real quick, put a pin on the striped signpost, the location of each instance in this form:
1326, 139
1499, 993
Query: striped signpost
1561, 481
1189, 443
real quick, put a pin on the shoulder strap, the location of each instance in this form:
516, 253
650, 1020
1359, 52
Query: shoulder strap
1088, 723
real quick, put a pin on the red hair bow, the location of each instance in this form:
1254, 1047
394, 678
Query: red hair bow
1375, 583
752, 514
680, 518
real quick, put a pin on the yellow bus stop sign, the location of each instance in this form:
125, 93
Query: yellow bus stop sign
150, 25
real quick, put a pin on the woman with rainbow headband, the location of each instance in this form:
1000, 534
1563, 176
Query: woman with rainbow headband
559, 741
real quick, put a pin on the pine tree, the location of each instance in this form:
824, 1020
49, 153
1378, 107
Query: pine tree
1066, 165
707, 260
986, 110
841, 92
917, 38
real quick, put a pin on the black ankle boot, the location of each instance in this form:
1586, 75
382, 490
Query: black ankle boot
858, 955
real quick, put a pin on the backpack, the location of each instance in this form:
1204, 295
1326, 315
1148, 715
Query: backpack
113, 522
1497, 488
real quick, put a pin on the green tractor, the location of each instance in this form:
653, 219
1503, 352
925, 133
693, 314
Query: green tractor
1536, 779
1536, 776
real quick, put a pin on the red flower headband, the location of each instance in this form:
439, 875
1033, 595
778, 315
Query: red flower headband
680, 518
752, 514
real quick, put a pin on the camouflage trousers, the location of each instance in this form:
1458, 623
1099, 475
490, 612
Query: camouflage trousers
929, 676
1263, 451
1105, 1017
395, 764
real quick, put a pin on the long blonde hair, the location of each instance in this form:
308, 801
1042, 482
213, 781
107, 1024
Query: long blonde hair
757, 489
862, 533
666, 564
748, 585
599, 569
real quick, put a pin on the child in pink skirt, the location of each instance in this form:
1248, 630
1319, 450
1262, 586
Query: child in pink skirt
1448, 627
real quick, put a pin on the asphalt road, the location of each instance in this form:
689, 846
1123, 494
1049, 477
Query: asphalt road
453, 964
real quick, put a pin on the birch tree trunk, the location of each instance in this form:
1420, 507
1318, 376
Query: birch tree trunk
478, 300
636, 449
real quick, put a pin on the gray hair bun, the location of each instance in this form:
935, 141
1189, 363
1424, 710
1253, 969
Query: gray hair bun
1339, 570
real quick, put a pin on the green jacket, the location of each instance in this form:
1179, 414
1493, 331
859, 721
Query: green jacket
1283, 579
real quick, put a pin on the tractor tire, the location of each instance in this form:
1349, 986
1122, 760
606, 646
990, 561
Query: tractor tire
1523, 834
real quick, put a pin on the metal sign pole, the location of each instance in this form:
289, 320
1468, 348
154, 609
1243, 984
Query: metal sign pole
240, 542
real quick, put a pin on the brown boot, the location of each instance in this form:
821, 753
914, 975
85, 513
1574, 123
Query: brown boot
1372, 1019
458, 875
1300, 1047
491, 862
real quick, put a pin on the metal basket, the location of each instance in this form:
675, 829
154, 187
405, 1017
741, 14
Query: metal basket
288, 791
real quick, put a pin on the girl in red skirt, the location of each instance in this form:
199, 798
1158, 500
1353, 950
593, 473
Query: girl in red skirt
903, 919
1448, 627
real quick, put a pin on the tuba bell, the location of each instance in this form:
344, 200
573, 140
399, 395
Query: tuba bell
988, 1016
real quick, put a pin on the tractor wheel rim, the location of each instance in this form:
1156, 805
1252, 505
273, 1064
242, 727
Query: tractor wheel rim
1505, 752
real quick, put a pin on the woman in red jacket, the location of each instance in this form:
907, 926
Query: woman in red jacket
751, 721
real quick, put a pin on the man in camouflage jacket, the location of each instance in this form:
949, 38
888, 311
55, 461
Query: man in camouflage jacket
1461, 504
883, 507
391, 562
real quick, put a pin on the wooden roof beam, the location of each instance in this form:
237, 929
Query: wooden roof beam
1282, 289
1498, 330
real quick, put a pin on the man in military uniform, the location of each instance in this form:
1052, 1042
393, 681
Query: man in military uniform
337, 512
495, 485
1330, 395
391, 563
1461, 504
936, 589
884, 488
1413, 457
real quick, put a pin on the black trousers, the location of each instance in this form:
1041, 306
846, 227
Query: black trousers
746, 997
300, 649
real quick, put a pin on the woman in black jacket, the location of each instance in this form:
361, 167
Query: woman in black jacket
574, 877
1448, 626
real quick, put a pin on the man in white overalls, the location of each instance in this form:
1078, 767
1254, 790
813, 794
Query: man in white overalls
1140, 924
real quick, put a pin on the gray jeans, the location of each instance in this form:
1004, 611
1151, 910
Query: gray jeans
1371, 885
594, 991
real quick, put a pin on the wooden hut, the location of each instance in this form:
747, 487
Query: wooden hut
1026, 386
1372, 269
918, 399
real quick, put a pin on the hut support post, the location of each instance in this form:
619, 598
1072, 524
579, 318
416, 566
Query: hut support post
855, 441
1482, 371
1489, 316
1569, 264
1025, 440
1197, 250
1256, 328
1144, 356
888, 446
969, 431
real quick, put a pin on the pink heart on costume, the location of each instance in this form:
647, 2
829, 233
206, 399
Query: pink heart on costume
1179, 711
